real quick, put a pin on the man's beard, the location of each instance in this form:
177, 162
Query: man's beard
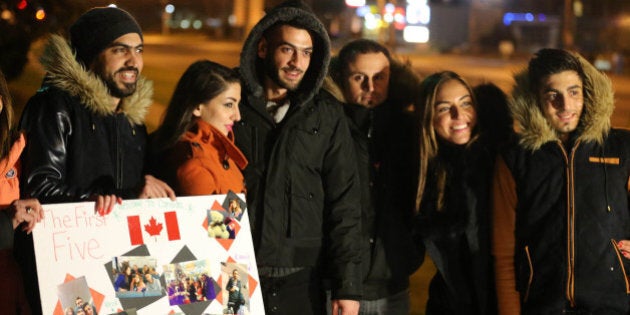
116, 91
273, 73
126, 90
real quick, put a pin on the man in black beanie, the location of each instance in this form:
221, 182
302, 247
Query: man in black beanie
85, 125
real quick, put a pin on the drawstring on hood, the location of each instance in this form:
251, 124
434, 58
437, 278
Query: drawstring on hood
605, 178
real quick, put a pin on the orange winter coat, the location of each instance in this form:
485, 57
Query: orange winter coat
13, 300
206, 162
9, 167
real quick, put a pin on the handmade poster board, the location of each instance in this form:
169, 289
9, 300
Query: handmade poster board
185, 251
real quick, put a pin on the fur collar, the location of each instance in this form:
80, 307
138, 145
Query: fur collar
531, 125
67, 74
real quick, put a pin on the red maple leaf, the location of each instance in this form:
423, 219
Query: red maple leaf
153, 228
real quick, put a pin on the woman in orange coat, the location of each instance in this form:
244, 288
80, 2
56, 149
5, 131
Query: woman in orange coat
194, 149
13, 212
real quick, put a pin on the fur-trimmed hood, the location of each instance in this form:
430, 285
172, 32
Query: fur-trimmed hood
64, 72
251, 65
532, 126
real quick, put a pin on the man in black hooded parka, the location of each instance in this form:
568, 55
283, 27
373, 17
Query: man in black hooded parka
302, 190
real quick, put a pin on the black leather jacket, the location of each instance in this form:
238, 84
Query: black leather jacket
77, 145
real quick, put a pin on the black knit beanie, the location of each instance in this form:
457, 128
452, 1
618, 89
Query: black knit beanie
97, 28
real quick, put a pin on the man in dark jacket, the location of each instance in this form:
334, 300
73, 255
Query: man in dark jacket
561, 194
302, 190
377, 91
85, 126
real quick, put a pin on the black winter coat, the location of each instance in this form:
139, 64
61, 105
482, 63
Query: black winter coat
386, 147
457, 237
569, 223
73, 153
562, 207
302, 183
78, 145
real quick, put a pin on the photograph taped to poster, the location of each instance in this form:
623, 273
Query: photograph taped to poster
152, 256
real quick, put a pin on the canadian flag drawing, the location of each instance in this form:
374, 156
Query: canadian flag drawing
153, 227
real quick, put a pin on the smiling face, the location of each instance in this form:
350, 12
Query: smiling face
367, 80
561, 99
222, 111
88, 310
286, 55
120, 64
454, 114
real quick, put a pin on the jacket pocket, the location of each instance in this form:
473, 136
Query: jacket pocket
621, 266
304, 214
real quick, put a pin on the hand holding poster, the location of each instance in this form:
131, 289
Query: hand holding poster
153, 256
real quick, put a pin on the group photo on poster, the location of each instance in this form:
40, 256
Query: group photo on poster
130, 281
76, 298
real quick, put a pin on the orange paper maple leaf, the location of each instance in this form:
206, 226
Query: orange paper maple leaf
153, 228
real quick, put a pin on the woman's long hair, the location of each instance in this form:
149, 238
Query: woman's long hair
429, 147
202, 81
7, 134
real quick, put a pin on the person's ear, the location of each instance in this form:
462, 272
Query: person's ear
197, 111
262, 48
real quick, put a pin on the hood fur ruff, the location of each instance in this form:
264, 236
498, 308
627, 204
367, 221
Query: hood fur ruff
65, 73
594, 125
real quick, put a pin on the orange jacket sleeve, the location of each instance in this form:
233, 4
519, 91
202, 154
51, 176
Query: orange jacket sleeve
503, 242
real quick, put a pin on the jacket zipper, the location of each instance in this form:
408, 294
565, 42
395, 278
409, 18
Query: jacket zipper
570, 290
119, 159
531, 273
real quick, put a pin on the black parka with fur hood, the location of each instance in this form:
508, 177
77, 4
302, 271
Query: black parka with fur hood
77, 144
560, 209
302, 184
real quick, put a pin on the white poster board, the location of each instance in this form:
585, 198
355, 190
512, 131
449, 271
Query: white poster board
185, 251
